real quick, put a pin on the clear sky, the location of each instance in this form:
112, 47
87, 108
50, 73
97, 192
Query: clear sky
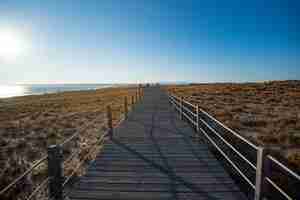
104, 41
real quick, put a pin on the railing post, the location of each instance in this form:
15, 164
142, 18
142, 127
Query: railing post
262, 170
132, 100
125, 107
55, 172
109, 122
197, 118
181, 107
139, 92
136, 97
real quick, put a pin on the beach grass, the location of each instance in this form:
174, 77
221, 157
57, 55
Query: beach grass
29, 124
267, 113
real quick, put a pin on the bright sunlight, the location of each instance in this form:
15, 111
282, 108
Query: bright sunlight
13, 45
11, 90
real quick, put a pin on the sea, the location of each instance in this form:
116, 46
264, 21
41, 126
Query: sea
30, 89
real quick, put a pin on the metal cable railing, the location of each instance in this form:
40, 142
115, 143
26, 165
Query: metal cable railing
41, 186
281, 171
205, 128
98, 142
22, 176
55, 179
217, 134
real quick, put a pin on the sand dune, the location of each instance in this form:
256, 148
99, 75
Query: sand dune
29, 124
267, 113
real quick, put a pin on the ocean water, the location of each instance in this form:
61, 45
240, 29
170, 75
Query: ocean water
29, 89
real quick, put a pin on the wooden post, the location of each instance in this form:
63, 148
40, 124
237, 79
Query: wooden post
136, 97
125, 107
109, 122
181, 107
262, 170
132, 100
55, 172
197, 118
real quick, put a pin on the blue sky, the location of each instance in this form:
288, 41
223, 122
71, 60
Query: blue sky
139, 41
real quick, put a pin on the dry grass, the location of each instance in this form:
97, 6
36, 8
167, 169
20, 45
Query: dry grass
267, 113
29, 124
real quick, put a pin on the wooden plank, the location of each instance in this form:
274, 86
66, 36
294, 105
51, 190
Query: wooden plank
155, 196
153, 180
155, 155
145, 174
154, 187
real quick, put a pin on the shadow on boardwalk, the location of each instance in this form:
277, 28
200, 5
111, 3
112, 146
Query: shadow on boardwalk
154, 155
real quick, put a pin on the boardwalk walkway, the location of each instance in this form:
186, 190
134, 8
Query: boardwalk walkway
154, 155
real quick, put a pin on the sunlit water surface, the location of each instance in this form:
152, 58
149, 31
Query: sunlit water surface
12, 90
22, 90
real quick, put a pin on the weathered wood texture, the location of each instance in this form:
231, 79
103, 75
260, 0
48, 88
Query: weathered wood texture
155, 155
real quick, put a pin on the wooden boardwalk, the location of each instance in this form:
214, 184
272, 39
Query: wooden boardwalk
155, 155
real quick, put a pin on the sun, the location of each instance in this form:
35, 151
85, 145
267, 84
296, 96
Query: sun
12, 90
12, 45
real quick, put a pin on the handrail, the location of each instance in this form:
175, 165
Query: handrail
84, 159
173, 98
38, 188
188, 117
219, 149
191, 112
36, 164
222, 125
139, 95
286, 169
216, 133
231, 131
188, 103
177, 108
72, 156
259, 175
228, 144
228, 159
278, 188
100, 140
185, 101
70, 139
175, 105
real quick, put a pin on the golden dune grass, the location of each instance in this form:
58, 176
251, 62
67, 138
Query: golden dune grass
266, 113
29, 124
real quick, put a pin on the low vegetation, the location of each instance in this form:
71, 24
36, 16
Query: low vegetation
267, 113
29, 124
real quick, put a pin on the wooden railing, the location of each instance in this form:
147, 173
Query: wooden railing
56, 181
259, 173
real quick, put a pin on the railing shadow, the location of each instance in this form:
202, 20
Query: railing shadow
170, 174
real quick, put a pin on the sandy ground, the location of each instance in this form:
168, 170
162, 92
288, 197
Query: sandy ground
29, 124
266, 113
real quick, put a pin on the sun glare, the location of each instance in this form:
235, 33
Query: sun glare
12, 45
11, 90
